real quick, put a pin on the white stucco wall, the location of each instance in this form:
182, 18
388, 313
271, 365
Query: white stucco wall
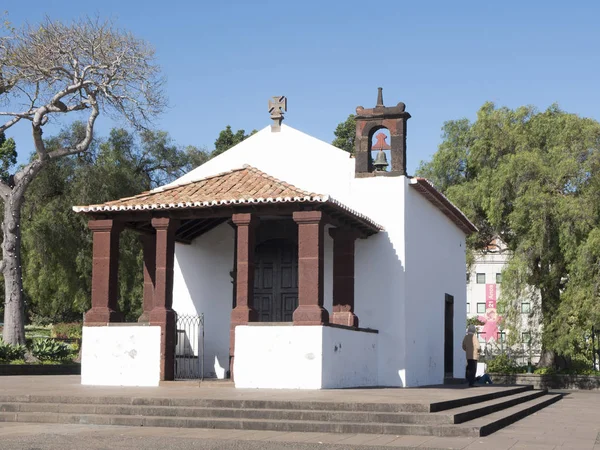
435, 266
304, 357
120, 356
202, 285
379, 273
349, 358
278, 357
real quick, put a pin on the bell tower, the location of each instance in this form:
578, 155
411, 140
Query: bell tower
368, 122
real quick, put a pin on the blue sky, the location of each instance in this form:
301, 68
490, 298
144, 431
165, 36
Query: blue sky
224, 59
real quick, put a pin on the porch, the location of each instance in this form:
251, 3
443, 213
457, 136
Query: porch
268, 217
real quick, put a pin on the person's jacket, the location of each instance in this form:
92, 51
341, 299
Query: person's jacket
471, 346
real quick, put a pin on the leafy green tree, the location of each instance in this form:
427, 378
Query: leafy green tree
345, 134
57, 244
533, 178
227, 139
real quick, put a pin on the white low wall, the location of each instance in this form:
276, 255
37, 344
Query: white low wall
303, 357
349, 358
120, 356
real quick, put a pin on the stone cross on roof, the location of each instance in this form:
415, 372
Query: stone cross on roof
277, 107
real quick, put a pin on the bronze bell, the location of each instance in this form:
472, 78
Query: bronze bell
380, 162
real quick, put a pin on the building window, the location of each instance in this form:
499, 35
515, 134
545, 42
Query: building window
525, 308
481, 337
468, 278
498, 278
480, 308
501, 336
526, 337
481, 278
468, 307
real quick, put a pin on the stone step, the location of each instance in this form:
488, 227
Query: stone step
478, 427
495, 421
240, 424
266, 404
464, 401
458, 415
231, 413
476, 410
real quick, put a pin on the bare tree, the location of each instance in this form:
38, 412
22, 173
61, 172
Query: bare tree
51, 70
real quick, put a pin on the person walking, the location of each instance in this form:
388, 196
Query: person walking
471, 347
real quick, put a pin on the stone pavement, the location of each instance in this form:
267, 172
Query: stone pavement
572, 423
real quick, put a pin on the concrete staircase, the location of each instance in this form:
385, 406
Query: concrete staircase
478, 415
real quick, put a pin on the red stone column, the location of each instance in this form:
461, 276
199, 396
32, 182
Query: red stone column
105, 272
162, 313
310, 309
343, 277
149, 250
243, 311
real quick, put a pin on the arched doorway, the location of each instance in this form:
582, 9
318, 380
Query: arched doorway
276, 280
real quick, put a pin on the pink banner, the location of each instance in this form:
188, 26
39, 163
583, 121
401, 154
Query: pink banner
491, 318
490, 296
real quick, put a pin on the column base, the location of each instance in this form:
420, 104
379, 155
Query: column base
345, 318
144, 318
101, 317
165, 318
310, 315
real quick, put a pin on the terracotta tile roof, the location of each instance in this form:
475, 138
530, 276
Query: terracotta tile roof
440, 201
246, 185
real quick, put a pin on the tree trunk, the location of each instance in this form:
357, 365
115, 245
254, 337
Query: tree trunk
14, 307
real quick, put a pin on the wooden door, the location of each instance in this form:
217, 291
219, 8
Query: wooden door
276, 280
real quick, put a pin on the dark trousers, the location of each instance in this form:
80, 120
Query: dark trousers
471, 371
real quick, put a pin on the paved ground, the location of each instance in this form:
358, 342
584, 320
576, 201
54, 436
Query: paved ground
572, 423
70, 385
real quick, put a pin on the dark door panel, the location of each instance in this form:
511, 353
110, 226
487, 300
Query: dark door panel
276, 280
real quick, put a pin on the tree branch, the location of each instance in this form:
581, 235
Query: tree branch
9, 124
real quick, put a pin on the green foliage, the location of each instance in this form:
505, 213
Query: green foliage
8, 156
227, 139
9, 352
49, 349
532, 178
474, 321
67, 330
57, 246
502, 364
345, 134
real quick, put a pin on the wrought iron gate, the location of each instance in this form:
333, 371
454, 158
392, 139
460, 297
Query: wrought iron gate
189, 347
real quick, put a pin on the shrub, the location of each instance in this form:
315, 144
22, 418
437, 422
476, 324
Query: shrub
45, 349
502, 364
67, 330
10, 352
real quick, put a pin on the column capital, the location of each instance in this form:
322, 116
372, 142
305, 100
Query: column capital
163, 223
308, 216
244, 219
105, 225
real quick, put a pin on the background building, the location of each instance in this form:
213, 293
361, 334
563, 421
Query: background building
484, 287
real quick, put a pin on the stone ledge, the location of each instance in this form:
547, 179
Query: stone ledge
552, 381
40, 369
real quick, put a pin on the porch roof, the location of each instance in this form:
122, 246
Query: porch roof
244, 186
